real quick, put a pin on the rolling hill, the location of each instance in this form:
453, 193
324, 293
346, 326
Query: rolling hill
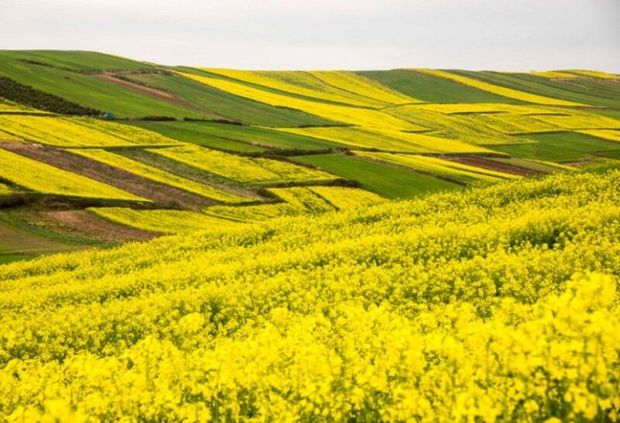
225, 245
97, 149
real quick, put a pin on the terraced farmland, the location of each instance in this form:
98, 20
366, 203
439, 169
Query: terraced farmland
176, 149
403, 245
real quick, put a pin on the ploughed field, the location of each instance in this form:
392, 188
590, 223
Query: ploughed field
289, 285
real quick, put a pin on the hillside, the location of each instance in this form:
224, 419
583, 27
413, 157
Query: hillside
97, 150
477, 305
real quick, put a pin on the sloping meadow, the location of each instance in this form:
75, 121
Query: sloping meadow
492, 304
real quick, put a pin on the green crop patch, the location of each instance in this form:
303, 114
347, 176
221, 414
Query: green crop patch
383, 179
558, 147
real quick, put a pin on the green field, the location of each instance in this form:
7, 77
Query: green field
389, 181
432, 89
595, 92
559, 147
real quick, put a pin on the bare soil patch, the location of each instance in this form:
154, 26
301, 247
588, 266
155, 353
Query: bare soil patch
162, 195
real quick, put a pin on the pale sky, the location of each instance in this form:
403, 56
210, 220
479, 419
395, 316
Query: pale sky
327, 34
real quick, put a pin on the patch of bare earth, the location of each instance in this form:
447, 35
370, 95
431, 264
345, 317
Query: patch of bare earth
161, 195
143, 89
490, 164
82, 222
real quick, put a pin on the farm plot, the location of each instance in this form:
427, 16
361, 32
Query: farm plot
249, 170
388, 140
439, 167
74, 132
576, 121
336, 113
296, 200
339, 88
499, 90
159, 175
40, 177
611, 135
456, 127
381, 178
5, 189
347, 198
432, 89
511, 123
161, 221
236, 138
558, 147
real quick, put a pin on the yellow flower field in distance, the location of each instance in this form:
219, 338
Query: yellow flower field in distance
611, 135
242, 169
350, 82
388, 140
58, 131
496, 89
338, 113
161, 221
40, 177
308, 84
159, 175
347, 198
595, 74
437, 166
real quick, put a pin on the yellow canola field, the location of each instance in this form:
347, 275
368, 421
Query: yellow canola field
441, 167
466, 108
134, 135
496, 89
78, 132
40, 177
388, 140
161, 221
159, 175
298, 200
345, 88
611, 135
352, 83
347, 198
510, 123
4, 189
242, 169
554, 74
580, 121
337, 113
453, 127
595, 74
495, 304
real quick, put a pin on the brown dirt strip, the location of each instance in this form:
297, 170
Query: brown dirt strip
84, 223
156, 93
162, 195
143, 89
490, 164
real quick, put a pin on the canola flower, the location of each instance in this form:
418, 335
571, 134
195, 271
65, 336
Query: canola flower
495, 304
41, 177
497, 89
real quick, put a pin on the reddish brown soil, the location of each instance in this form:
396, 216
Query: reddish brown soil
162, 195
85, 223
154, 92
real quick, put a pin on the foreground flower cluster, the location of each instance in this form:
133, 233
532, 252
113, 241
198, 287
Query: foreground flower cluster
495, 304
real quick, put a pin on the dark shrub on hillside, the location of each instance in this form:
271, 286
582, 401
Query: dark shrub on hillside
28, 96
